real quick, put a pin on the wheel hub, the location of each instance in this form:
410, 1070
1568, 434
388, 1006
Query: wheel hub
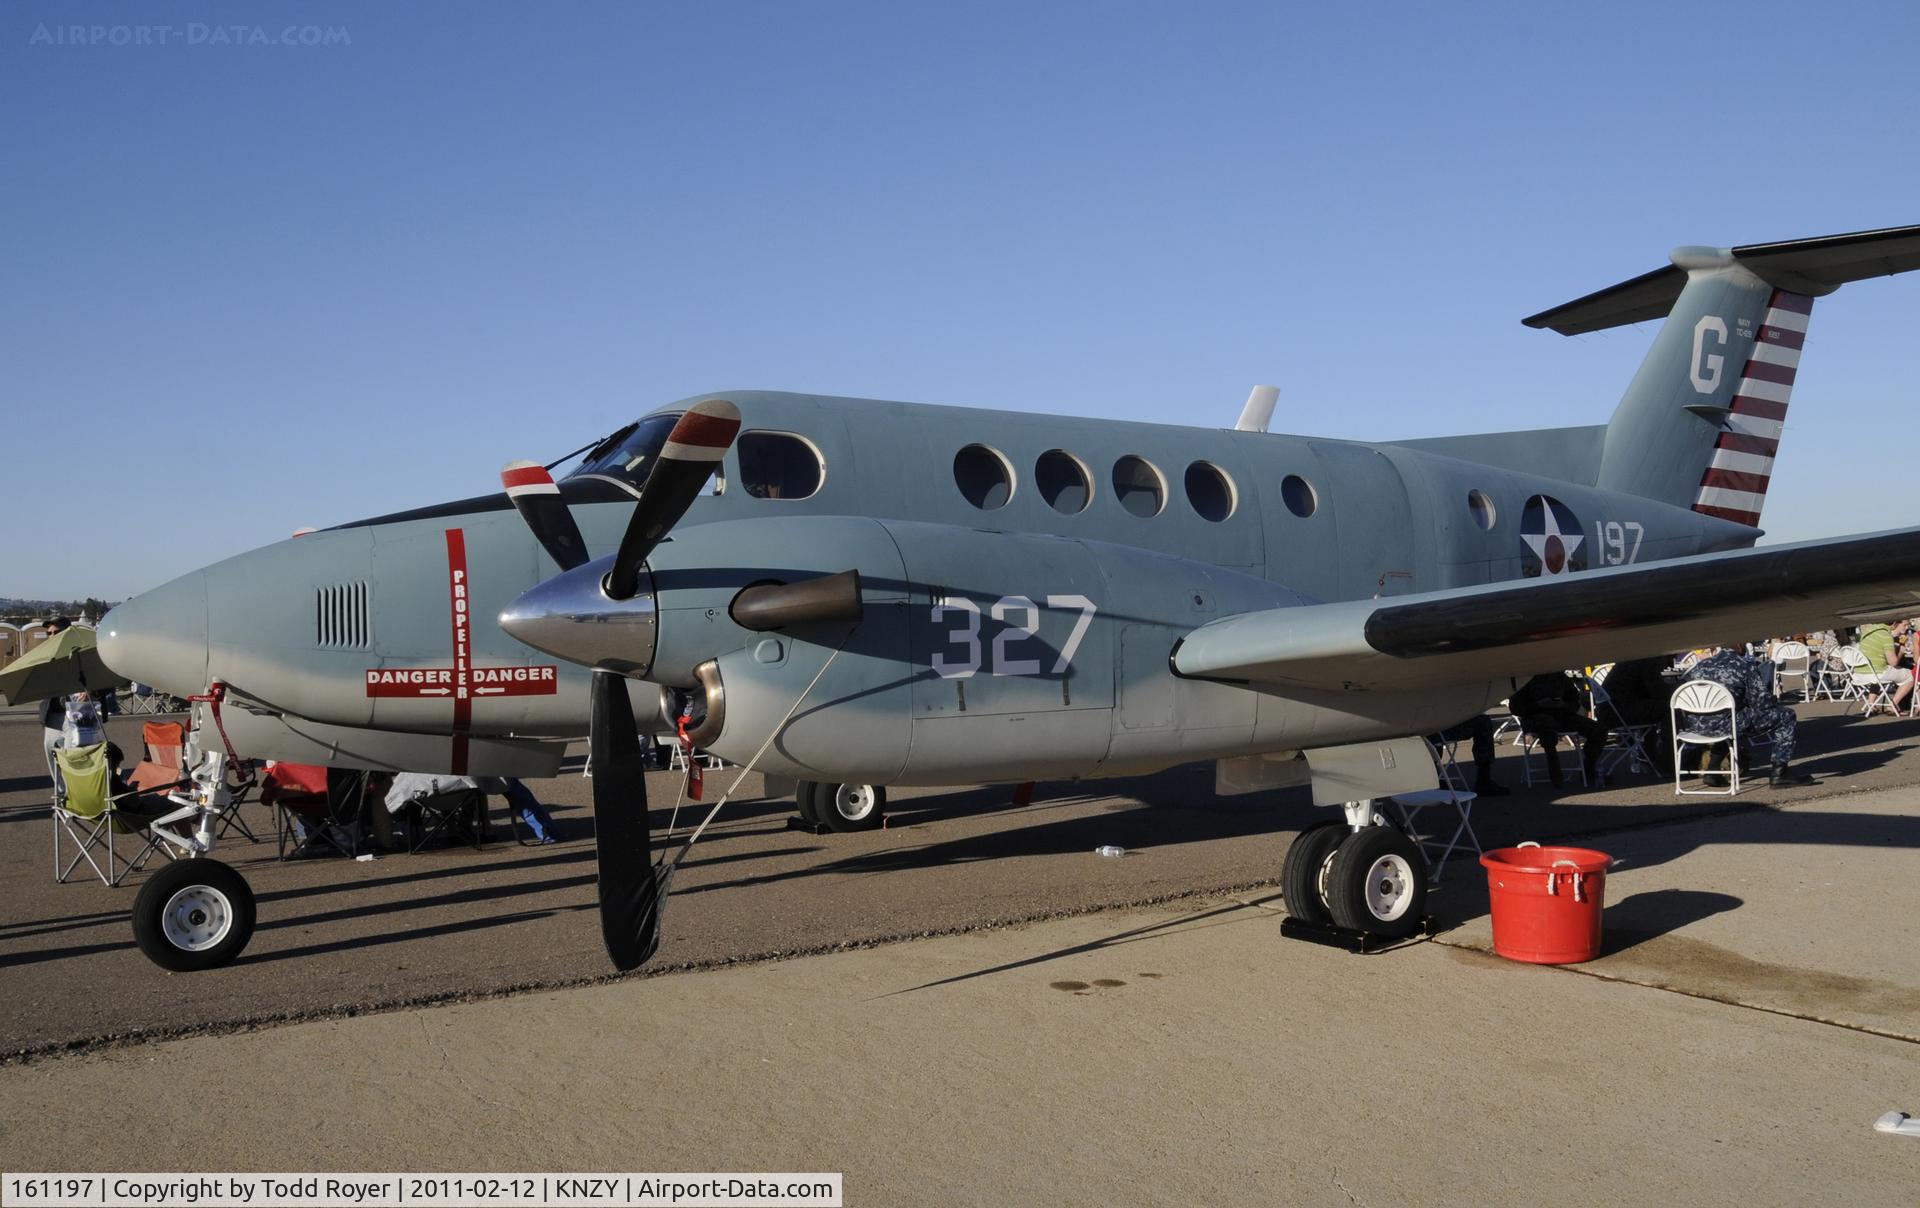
196, 917
1389, 885
853, 801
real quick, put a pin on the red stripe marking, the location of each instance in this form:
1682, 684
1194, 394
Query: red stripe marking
1783, 337
1735, 480
460, 618
1799, 304
707, 431
1742, 442
1750, 519
1761, 371
1759, 408
527, 477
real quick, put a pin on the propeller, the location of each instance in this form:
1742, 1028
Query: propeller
696, 444
537, 498
630, 886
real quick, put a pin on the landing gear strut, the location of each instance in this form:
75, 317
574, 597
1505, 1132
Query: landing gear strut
1360, 880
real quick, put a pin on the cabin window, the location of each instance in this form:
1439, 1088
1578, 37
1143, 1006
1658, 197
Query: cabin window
1299, 496
779, 465
1138, 486
1210, 491
1480, 506
1063, 481
984, 477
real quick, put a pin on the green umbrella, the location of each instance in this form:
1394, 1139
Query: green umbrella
65, 663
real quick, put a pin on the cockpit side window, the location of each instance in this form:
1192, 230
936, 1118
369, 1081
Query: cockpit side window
779, 465
629, 454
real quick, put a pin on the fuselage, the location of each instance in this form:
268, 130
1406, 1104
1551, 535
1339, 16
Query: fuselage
388, 626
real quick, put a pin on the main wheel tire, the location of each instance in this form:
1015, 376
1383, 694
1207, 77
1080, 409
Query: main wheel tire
193, 914
851, 807
1303, 874
803, 802
1377, 883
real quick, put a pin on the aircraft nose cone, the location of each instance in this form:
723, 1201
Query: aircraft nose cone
571, 617
160, 637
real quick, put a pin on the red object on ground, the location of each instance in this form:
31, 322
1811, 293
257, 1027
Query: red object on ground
1547, 902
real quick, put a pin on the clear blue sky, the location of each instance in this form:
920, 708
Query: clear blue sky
245, 288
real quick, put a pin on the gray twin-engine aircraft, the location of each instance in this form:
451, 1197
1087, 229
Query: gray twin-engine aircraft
863, 594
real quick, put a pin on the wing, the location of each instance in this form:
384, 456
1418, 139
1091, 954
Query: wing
1502, 630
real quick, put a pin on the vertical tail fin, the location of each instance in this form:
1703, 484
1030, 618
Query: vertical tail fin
1734, 485
1690, 431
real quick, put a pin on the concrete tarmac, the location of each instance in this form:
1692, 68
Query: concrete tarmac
1757, 1006
1173, 1055
337, 937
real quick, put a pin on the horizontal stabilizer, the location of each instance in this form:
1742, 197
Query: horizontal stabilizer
1483, 634
1805, 266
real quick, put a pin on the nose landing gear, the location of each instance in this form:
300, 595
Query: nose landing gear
842, 808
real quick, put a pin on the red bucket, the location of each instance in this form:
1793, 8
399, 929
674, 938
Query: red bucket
1546, 902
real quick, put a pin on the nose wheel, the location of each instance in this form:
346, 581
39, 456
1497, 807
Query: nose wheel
193, 914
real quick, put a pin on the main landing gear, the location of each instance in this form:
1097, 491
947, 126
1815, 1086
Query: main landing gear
1360, 876
840, 807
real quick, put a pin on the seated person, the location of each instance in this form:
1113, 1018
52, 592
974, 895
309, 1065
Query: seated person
1757, 713
1550, 705
1480, 729
521, 801
1882, 648
1640, 695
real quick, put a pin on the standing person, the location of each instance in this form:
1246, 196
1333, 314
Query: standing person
1757, 713
53, 718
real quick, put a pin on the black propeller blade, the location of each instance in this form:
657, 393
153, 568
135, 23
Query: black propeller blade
629, 892
537, 498
696, 444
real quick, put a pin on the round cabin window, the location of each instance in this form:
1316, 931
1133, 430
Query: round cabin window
1139, 486
1210, 491
1063, 482
983, 476
1298, 494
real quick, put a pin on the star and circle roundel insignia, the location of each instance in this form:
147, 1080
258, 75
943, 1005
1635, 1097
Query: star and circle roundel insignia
1550, 533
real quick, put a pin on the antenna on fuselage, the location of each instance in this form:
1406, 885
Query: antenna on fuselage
1258, 413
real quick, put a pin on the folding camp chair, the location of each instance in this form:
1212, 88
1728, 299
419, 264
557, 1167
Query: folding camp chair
1623, 741
92, 817
456, 813
166, 744
303, 812
1453, 794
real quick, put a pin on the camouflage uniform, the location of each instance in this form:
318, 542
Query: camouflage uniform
1760, 716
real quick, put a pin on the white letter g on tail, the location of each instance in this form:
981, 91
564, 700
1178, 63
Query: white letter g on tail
1705, 371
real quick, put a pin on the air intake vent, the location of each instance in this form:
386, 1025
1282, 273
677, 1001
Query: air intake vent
342, 621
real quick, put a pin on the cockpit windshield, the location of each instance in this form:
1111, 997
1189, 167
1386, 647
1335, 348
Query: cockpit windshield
629, 453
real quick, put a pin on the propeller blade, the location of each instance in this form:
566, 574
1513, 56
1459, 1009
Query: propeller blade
537, 498
629, 892
696, 444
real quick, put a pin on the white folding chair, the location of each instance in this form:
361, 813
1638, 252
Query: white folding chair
1529, 743
1792, 668
1453, 794
1704, 698
1868, 688
1829, 678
